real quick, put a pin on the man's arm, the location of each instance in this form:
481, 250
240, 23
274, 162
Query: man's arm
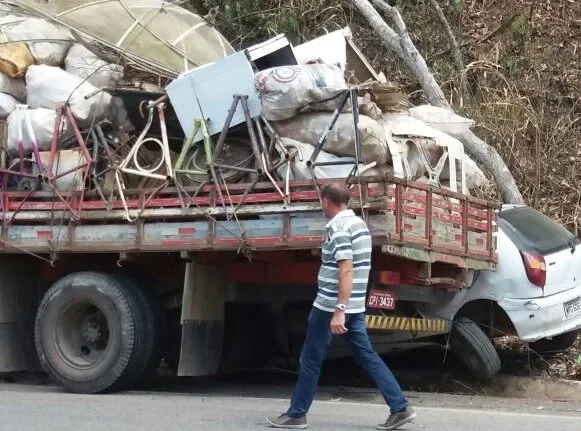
343, 253
345, 287
345, 280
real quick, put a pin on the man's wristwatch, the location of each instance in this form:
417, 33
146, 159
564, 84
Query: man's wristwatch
341, 307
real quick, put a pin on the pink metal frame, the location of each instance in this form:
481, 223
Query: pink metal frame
46, 172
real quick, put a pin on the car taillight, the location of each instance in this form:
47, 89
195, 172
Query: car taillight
535, 268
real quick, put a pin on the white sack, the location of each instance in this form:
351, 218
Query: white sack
17, 28
42, 121
83, 63
300, 170
285, 91
15, 87
7, 105
308, 128
441, 119
67, 160
50, 87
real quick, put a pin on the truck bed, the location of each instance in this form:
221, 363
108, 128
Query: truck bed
407, 219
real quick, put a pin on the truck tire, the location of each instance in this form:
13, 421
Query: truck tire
157, 331
89, 330
144, 342
556, 344
474, 349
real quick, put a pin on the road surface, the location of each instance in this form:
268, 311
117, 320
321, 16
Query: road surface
219, 407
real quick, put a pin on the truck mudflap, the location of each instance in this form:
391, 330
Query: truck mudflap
394, 323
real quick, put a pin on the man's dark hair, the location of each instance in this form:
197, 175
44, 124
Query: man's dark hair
338, 193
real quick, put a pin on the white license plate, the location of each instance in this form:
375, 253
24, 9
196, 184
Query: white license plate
572, 308
381, 299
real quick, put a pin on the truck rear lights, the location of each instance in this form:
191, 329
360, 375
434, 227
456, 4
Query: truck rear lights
535, 268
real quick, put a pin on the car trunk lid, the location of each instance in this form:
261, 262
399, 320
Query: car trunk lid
533, 232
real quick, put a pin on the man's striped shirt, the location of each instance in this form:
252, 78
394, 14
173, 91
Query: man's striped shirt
347, 238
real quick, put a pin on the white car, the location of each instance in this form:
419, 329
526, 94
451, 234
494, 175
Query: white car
535, 292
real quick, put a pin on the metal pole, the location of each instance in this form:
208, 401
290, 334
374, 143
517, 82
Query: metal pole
325, 135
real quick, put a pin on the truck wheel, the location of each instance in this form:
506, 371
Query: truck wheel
156, 345
556, 344
474, 349
145, 343
88, 331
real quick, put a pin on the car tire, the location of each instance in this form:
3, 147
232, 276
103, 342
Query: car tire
474, 349
559, 343
89, 332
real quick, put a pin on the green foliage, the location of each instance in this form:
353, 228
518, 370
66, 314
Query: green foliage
457, 5
244, 22
521, 28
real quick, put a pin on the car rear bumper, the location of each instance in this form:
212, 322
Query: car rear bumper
538, 318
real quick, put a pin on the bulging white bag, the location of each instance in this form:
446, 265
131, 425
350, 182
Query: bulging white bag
15, 87
25, 29
287, 90
51, 87
42, 121
442, 119
308, 128
300, 170
83, 63
7, 105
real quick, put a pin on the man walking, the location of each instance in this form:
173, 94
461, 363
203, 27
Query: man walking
339, 310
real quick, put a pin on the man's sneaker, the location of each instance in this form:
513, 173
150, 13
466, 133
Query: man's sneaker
285, 421
396, 420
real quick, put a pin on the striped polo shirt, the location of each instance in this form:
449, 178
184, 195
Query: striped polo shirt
347, 239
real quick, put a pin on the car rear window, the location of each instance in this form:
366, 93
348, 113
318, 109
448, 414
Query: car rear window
532, 231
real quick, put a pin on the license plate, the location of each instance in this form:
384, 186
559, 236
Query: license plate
572, 308
381, 299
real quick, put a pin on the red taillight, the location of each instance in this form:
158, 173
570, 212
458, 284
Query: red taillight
535, 268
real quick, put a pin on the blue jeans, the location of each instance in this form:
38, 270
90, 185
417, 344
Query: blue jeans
315, 348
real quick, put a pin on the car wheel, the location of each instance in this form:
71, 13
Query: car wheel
474, 349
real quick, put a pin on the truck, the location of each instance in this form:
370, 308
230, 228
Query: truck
118, 251
98, 301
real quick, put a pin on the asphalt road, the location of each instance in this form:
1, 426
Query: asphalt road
222, 407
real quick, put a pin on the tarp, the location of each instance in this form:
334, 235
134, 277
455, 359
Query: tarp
156, 35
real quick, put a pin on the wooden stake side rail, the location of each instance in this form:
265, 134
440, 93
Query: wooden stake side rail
402, 215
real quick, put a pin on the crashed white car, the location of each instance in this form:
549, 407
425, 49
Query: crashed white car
535, 292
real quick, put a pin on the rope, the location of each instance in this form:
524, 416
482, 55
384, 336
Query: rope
8, 244
245, 249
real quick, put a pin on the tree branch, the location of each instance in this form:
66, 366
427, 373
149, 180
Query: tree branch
456, 54
400, 43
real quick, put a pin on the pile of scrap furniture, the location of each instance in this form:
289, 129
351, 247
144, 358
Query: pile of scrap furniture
101, 114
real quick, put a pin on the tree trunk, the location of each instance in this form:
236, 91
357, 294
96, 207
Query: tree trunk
400, 43
488, 157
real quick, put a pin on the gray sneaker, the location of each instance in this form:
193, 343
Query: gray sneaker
285, 421
396, 420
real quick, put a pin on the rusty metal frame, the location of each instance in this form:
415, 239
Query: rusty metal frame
46, 172
263, 163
